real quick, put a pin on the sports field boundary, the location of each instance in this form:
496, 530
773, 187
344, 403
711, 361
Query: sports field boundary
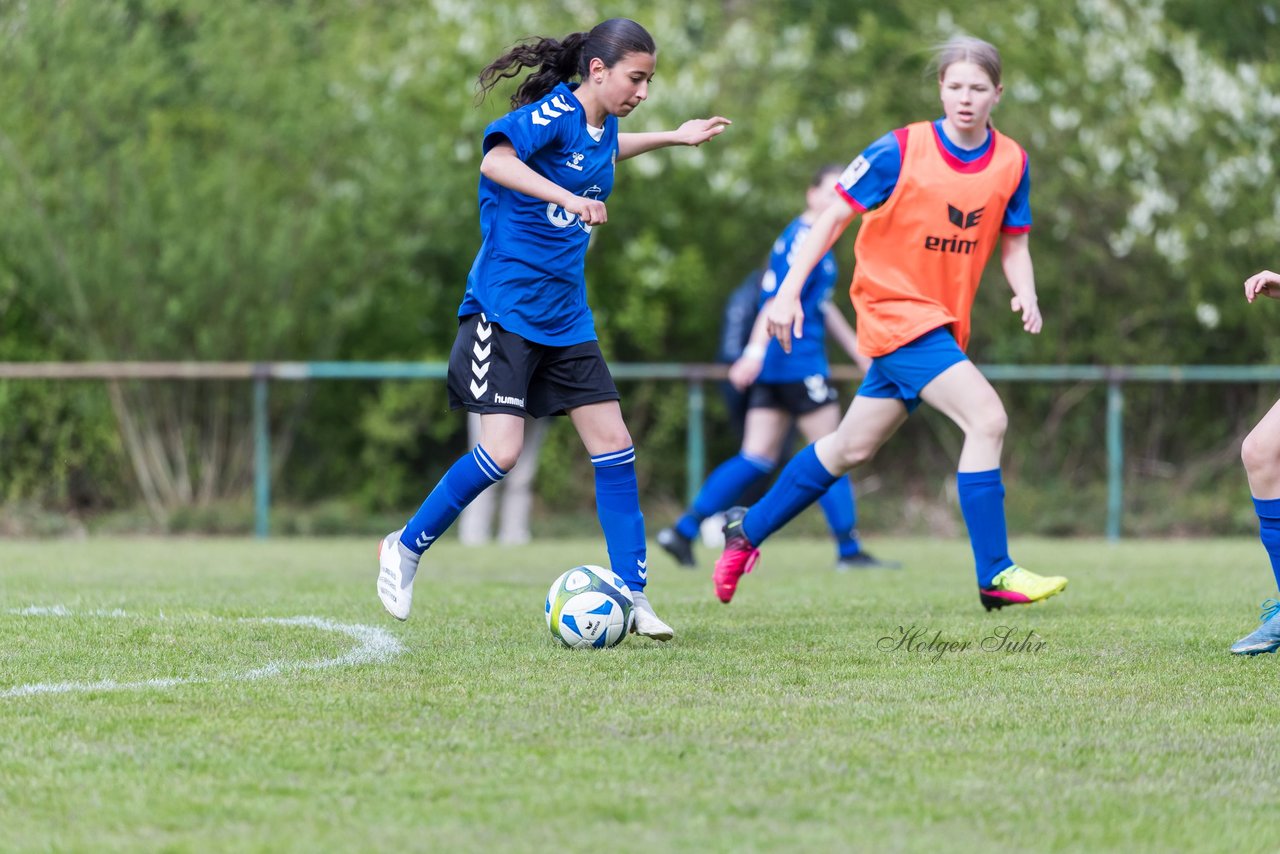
694, 376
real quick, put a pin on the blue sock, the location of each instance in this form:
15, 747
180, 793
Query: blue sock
1269, 522
618, 507
982, 503
471, 475
802, 482
842, 516
721, 489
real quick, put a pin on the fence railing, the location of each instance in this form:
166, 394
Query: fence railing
694, 376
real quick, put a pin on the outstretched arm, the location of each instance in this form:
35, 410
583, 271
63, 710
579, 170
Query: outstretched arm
1015, 256
1264, 284
692, 132
503, 166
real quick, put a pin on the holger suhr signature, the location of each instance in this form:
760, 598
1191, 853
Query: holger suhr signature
930, 642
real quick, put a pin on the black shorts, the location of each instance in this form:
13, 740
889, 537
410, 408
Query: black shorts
493, 370
797, 398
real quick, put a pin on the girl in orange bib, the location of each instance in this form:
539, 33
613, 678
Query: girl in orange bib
936, 197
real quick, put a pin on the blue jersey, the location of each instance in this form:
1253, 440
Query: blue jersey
528, 276
872, 177
808, 354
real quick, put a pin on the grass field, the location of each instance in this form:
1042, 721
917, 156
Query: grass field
780, 722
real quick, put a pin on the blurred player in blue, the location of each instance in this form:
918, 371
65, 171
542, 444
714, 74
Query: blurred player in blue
526, 344
1261, 456
784, 390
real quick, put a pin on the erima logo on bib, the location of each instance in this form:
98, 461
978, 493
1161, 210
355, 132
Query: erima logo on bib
960, 219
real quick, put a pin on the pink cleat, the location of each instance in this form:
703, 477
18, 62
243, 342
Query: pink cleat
738, 558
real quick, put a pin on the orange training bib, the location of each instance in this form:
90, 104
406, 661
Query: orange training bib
920, 255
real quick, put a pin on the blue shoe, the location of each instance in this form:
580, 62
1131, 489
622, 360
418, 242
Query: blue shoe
1266, 637
865, 560
678, 546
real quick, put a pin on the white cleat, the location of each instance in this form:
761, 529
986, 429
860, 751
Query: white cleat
645, 622
395, 581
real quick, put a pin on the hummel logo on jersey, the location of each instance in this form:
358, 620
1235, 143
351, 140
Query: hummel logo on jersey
509, 401
574, 160
552, 109
960, 219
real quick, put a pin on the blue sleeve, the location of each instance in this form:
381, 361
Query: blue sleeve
870, 179
525, 135
1017, 216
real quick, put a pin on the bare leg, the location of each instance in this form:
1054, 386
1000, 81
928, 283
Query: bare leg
517, 488
475, 523
868, 424
963, 394
1261, 456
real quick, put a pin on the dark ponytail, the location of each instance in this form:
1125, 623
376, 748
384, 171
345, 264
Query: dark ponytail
561, 61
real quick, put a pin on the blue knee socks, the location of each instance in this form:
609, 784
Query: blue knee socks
618, 508
721, 489
1269, 527
802, 482
982, 503
471, 475
842, 516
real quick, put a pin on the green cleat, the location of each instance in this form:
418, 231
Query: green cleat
1017, 586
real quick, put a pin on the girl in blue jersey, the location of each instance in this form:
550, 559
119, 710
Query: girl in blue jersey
786, 389
526, 344
1261, 456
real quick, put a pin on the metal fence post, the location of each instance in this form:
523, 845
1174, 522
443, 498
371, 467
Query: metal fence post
261, 454
1115, 458
696, 451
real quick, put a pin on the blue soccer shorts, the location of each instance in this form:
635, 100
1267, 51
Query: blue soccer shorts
902, 374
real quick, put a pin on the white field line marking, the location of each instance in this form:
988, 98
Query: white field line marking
373, 646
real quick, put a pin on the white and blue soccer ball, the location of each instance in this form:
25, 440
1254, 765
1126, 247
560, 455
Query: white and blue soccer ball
589, 606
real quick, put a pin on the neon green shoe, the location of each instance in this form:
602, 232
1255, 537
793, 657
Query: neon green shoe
1017, 586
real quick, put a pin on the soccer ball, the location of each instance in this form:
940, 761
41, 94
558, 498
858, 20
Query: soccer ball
589, 606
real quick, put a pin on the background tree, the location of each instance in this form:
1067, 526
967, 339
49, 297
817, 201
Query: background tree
185, 179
